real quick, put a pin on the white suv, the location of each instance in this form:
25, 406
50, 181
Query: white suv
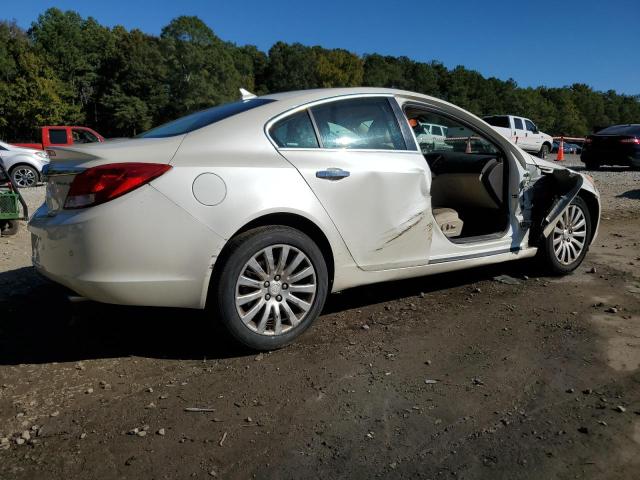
23, 164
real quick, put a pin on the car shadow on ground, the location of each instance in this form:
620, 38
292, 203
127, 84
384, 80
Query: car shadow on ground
39, 325
630, 194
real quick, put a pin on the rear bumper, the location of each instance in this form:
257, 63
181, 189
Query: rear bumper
627, 157
139, 249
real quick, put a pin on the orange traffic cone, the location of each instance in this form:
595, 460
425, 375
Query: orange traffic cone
560, 156
468, 148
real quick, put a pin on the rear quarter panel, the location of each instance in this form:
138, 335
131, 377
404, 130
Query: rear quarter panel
257, 180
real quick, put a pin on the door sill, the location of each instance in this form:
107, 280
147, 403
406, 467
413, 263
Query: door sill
477, 238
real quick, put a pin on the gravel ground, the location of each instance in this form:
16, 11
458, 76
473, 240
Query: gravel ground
618, 186
451, 376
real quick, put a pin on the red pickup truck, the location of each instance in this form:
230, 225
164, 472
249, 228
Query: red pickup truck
61, 136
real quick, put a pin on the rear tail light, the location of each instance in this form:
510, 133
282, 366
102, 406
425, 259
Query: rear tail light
635, 141
588, 140
105, 182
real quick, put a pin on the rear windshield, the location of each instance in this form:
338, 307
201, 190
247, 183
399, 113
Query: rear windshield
498, 121
621, 130
203, 118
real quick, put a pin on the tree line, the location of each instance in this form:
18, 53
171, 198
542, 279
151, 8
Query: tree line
66, 69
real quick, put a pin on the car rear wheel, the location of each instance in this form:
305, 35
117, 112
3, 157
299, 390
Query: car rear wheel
544, 151
565, 248
24, 176
272, 286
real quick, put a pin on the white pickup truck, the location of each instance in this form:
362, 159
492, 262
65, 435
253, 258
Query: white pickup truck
522, 132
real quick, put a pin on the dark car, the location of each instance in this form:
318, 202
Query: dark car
615, 145
568, 147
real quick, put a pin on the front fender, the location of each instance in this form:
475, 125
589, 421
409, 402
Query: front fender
573, 183
551, 194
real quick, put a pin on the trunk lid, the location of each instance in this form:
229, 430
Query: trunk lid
67, 162
607, 142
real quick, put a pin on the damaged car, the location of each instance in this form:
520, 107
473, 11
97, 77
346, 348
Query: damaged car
258, 209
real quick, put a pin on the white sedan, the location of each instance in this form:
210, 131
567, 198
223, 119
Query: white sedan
258, 209
23, 164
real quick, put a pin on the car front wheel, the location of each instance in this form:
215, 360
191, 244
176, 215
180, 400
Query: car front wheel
566, 246
24, 176
544, 151
272, 286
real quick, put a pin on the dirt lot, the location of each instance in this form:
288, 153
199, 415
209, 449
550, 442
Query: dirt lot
452, 376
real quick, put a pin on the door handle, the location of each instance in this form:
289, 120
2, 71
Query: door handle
332, 174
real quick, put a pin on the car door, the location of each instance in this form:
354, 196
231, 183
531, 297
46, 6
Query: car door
367, 173
82, 135
4, 155
534, 139
520, 133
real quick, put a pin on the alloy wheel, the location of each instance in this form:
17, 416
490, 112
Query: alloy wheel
24, 177
275, 290
569, 235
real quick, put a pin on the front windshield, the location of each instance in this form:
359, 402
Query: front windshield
203, 118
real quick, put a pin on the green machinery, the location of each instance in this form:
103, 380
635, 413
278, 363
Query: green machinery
13, 208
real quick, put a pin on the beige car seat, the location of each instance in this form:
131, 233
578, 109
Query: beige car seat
448, 221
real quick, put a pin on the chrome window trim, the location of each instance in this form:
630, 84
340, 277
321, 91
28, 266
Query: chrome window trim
309, 105
342, 150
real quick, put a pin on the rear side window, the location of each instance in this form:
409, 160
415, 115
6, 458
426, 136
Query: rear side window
203, 118
498, 121
295, 131
517, 124
363, 123
58, 136
621, 130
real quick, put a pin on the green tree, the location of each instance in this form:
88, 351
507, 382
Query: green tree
77, 48
291, 67
70, 69
201, 71
135, 93
31, 94
337, 68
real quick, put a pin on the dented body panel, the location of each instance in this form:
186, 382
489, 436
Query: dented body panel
381, 209
376, 215
549, 194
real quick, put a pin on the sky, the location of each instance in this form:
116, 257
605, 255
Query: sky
534, 42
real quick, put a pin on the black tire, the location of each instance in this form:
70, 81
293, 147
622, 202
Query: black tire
592, 165
547, 253
240, 250
9, 227
25, 176
544, 151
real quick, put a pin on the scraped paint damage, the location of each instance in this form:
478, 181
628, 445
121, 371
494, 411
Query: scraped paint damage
403, 228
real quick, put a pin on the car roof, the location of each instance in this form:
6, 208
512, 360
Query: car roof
304, 96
